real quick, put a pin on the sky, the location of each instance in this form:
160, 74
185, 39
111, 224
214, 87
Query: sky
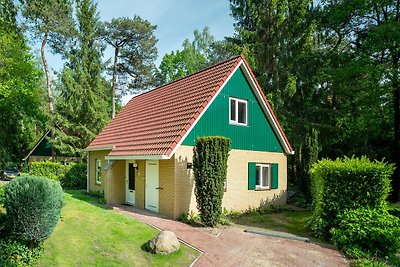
175, 19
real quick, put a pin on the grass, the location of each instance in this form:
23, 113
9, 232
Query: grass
91, 235
288, 221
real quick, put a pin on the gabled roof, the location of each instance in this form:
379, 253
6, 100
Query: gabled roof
154, 124
36, 145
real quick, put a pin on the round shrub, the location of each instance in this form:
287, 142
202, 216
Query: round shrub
75, 176
210, 156
367, 232
33, 206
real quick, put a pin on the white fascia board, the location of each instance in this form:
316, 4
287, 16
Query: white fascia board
100, 148
266, 109
204, 110
136, 157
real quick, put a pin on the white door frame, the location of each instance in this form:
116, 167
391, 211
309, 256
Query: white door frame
152, 185
129, 194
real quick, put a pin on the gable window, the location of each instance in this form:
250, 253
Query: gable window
98, 171
263, 176
237, 111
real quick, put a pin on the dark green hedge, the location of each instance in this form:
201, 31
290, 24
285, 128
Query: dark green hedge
70, 176
345, 184
33, 206
210, 156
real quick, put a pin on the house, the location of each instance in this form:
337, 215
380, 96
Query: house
43, 150
144, 155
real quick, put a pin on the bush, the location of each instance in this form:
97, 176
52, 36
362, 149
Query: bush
368, 263
348, 183
367, 232
210, 156
2, 190
75, 176
33, 206
15, 253
49, 169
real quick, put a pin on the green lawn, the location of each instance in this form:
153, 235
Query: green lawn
91, 235
288, 221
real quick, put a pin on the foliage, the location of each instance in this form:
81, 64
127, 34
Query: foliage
210, 156
18, 254
33, 206
347, 183
82, 103
75, 176
49, 169
20, 95
2, 192
51, 21
203, 51
189, 218
367, 232
368, 263
99, 195
135, 50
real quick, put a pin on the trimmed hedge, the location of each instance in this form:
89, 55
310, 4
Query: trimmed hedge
75, 176
210, 156
343, 184
33, 206
367, 232
49, 169
70, 176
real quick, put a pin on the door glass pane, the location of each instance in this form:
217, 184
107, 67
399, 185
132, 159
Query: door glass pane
258, 176
265, 176
131, 177
242, 112
233, 110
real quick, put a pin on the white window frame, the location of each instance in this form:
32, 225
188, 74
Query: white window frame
236, 121
269, 178
98, 179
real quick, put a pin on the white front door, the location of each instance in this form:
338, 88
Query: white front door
130, 182
152, 185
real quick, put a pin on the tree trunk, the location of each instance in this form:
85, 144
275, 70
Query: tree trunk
48, 83
47, 72
114, 80
396, 174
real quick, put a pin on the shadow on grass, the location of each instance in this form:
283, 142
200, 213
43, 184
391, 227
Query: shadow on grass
86, 197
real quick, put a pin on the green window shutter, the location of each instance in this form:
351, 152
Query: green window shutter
274, 172
252, 175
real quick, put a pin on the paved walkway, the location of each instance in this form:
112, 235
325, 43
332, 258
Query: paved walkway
234, 247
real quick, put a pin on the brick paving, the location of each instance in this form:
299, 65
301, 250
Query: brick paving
234, 247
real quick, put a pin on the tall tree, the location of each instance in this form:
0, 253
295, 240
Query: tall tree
135, 51
82, 107
49, 19
371, 30
20, 93
203, 51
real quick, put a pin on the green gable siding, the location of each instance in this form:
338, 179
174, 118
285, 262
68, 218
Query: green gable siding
257, 135
43, 149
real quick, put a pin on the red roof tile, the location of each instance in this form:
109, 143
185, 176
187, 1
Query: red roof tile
154, 122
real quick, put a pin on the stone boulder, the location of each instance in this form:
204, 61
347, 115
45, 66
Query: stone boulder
164, 243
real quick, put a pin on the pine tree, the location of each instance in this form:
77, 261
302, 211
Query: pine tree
82, 109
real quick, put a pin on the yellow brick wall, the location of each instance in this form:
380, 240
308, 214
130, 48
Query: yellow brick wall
167, 183
140, 184
115, 183
237, 197
93, 155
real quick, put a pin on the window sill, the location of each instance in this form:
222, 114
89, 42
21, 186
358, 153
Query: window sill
237, 124
98, 183
263, 189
